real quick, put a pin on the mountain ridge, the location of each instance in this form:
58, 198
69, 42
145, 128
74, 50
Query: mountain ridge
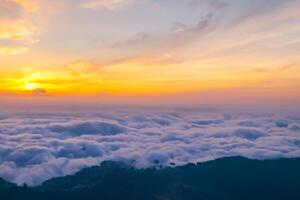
224, 178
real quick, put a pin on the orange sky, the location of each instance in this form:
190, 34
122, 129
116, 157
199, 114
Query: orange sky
135, 48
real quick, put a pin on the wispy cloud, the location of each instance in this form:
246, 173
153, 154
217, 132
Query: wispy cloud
14, 26
210, 44
15, 29
109, 5
28, 5
179, 34
13, 50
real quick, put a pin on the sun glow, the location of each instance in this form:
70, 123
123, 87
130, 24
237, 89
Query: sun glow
87, 56
30, 86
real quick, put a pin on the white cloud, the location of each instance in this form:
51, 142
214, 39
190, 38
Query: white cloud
36, 147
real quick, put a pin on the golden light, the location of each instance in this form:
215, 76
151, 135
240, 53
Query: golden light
30, 86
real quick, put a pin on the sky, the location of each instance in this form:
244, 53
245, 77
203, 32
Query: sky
189, 52
77, 78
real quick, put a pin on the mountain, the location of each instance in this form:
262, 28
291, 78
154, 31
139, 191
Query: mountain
232, 178
5, 184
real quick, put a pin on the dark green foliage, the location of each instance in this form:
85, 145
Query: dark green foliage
5, 184
223, 179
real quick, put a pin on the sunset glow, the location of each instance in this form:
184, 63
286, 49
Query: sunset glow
104, 99
91, 47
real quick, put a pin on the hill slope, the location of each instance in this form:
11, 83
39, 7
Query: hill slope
222, 179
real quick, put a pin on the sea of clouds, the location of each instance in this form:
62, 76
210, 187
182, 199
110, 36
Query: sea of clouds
35, 147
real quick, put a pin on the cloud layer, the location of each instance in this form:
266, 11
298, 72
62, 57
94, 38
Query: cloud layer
36, 147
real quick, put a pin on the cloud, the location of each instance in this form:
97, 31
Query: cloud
37, 146
234, 13
9, 9
212, 4
80, 67
39, 91
109, 5
27, 5
7, 6
218, 20
15, 29
180, 34
250, 134
86, 128
8, 51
